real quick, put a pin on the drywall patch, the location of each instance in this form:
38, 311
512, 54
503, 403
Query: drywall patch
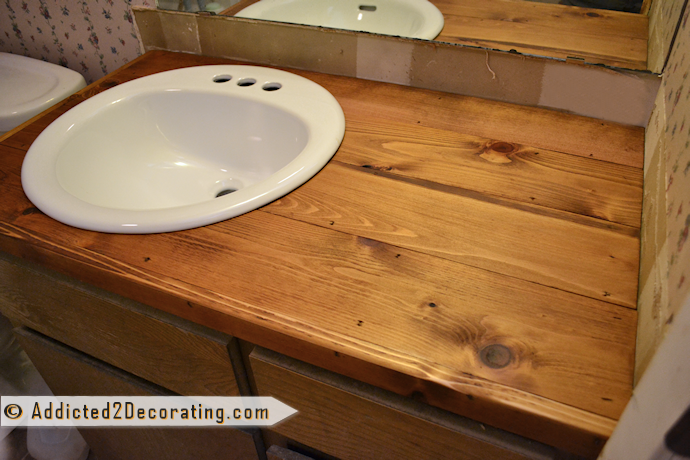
476, 72
384, 59
619, 96
288, 45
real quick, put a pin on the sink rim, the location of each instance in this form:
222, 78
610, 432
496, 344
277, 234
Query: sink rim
433, 18
319, 111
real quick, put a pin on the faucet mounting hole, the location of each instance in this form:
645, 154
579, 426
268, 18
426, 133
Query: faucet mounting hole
222, 78
226, 191
246, 82
273, 86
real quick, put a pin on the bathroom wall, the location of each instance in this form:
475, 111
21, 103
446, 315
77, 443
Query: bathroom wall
665, 258
91, 37
663, 19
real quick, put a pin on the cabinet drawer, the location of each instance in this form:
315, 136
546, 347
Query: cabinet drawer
150, 344
71, 373
352, 420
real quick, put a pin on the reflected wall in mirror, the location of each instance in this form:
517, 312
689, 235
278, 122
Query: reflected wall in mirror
545, 28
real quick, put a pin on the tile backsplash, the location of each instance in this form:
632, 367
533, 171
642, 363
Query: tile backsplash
91, 37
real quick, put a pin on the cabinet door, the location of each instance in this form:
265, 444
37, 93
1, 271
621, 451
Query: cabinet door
352, 420
71, 373
161, 348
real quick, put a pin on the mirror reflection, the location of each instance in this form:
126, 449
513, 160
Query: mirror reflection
594, 31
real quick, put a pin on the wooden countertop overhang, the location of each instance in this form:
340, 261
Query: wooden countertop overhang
477, 255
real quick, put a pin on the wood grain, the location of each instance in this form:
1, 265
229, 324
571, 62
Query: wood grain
561, 181
285, 278
540, 418
596, 36
355, 422
592, 261
388, 290
70, 373
182, 361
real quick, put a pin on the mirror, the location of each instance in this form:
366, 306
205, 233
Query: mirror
608, 32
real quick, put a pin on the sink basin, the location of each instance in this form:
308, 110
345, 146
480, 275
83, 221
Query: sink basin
405, 18
182, 149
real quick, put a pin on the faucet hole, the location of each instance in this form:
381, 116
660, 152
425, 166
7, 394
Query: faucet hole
226, 191
246, 82
272, 86
367, 7
222, 78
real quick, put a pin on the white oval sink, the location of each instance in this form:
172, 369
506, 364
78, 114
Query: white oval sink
182, 149
404, 18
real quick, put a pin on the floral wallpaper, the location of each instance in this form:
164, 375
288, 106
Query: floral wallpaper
676, 87
91, 37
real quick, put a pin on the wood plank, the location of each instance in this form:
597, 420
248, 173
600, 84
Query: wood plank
349, 420
646, 6
69, 373
127, 336
592, 261
569, 348
564, 18
564, 426
597, 36
532, 126
517, 172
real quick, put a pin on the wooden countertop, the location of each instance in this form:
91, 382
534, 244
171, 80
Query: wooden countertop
477, 255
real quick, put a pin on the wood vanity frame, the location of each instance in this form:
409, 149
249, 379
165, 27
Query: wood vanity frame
476, 256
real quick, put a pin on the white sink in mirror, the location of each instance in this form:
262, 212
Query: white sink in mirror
404, 18
182, 149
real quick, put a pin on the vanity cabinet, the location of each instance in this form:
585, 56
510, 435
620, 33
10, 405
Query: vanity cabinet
352, 420
86, 342
71, 373
178, 355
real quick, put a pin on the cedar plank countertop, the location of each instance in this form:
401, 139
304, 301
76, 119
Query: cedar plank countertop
447, 237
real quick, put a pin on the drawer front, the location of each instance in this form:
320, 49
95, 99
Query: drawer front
184, 358
71, 373
351, 420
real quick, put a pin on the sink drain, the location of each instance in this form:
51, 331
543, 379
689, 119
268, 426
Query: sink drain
226, 191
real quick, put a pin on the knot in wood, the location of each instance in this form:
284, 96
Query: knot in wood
503, 147
495, 356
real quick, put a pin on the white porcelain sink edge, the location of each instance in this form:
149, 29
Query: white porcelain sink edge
57, 161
